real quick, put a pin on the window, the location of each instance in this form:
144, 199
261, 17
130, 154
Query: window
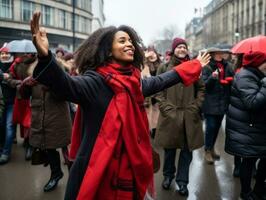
27, 8
260, 11
65, 1
247, 17
84, 26
77, 23
47, 15
6, 10
61, 19
68, 20
83, 4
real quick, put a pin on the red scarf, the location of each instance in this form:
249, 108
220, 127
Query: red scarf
22, 110
223, 80
121, 160
12, 68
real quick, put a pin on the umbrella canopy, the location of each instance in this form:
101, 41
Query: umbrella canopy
257, 43
21, 46
216, 49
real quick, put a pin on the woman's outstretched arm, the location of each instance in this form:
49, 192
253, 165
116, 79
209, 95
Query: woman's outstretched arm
187, 73
77, 89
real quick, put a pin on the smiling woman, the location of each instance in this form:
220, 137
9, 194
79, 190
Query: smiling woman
121, 45
110, 141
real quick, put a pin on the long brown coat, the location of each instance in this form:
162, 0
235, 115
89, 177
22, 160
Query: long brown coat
50, 123
180, 115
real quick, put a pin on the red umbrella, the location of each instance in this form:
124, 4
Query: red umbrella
257, 43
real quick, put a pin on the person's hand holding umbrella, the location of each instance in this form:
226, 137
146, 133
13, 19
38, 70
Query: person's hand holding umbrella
39, 36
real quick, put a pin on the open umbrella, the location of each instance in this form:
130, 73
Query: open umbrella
21, 46
257, 43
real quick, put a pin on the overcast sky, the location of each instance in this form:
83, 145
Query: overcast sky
148, 17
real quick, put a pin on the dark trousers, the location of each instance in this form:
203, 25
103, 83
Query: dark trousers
169, 169
246, 168
237, 161
54, 162
213, 124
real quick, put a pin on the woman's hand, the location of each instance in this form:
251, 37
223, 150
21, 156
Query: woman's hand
204, 58
215, 74
6, 76
39, 36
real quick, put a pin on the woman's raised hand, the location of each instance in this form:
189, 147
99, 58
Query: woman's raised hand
204, 58
39, 36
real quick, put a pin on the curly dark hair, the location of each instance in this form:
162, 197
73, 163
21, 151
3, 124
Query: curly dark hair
95, 51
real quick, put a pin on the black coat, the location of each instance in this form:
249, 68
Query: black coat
9, 93
216, 95
246, 117
93, 95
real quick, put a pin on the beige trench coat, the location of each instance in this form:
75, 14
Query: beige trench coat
180, 115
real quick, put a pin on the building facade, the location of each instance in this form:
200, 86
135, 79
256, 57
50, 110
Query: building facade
98, 15
68, 22
193, 35
226, 22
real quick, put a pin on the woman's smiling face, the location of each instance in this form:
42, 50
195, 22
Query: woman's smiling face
122, 48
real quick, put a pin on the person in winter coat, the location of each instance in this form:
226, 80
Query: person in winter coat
21, 68
50, 125
151, 64
237, 64
7, 128
179, 124
217, 76
245, 123
111, 144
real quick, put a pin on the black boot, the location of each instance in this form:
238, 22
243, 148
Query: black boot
166, 183
56, 172
183, 190
249, 196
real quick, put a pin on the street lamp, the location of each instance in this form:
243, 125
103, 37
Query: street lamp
73, 25
237, 35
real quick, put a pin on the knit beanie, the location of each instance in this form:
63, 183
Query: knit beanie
68, 56
4, 49
176, 42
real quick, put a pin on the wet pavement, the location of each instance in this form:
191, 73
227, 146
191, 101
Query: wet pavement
19, 180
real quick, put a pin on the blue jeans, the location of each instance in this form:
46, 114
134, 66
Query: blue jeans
10, 129
169, 169
213, 124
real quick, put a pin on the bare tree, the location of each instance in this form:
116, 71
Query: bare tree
163, 42
171, 31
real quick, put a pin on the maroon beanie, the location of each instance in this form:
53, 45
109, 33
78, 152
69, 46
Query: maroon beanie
254, 59
176, 42
4, 49
68, 56
60, 50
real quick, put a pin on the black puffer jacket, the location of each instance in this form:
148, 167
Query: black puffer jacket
246, 117
216, 95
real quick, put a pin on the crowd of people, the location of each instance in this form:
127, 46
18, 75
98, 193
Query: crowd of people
103, 104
